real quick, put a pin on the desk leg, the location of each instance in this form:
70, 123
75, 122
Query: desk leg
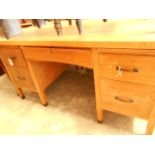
18, 90
38, 87
20, 93
151, 123
43, 74
99, 110
99, 115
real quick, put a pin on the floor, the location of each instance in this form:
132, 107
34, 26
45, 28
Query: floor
71, 110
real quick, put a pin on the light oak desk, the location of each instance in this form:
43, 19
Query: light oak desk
120, 53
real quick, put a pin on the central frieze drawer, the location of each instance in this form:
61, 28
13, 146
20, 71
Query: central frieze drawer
139, 69
127, 98
77, 56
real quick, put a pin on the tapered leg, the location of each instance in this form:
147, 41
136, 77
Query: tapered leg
151, 123
99, 115
18, 90
40, 91
58, 26
70, 21
36, 23
20, 93
43, 97
79, 25
99, 109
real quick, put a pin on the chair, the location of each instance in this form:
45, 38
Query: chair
58, 26
38, 22
10, 27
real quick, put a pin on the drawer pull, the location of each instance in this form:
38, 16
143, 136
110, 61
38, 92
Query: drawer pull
123, 100
10, 60
21, 78
119, 68
12, 57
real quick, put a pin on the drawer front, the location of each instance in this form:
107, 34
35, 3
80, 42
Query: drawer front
22, 77
127, 98
12, 57
139, 69
81, 57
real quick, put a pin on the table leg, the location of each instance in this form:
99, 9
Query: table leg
99, 115
18, 90
151, 123
99, 110
40, 91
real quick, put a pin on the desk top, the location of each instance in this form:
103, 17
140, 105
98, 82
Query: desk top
96, 33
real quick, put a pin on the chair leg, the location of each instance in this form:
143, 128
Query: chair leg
58, 26
104, 20
79, 25
70, 21
36, 23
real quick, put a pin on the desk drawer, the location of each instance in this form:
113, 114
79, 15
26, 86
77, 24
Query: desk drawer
81, 57
127, 98
139, 69
22, 77
12, 57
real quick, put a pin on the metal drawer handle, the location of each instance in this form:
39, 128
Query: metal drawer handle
11, 59
21, 77
123, 100
119, 68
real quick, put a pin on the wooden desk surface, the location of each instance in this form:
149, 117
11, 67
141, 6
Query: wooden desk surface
96, 33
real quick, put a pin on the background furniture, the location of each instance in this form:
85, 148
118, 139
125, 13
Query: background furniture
10, 27
58, 26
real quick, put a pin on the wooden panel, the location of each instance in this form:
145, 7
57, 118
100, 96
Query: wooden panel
127, 98
13, 55
22, 77
139, 69
81, 57
129, 51
47, 72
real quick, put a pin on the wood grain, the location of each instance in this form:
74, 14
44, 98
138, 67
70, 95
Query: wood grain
136, 34
143, 66
76, 56
127, 98
13, 53
18, 89
22, 77
99, 109
47, 72
102, 47
151, 122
